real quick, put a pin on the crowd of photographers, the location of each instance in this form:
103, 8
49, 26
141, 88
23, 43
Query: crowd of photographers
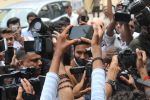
78, 58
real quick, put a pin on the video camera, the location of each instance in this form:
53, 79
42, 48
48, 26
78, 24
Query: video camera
122, 14
140, 8
10, 82
42, 43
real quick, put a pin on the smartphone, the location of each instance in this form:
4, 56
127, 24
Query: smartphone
9, 53
77, 70
81, 31
3, 45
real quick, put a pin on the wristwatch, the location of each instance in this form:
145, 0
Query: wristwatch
112, 83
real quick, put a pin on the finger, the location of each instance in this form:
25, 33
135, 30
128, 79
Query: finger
73, 41
67, 29
124, 79
144, 57
139, 55
130, 77
19, 95
83, 77
23, 84
85, 40
27, 82
115, 59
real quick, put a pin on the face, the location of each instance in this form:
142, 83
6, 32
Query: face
119, 27
33, 60
9, 38
15, 27
81, 54
68, 10
31, 19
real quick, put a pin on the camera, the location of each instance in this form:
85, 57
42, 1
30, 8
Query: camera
10, 82
42, 43
81, 69
122, 14
141, 10
127, 59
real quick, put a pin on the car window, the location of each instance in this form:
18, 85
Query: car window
56, 9
44, 12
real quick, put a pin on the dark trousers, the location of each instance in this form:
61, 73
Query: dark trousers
96, 9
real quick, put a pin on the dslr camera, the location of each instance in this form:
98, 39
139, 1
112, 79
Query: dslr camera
127, 58
122, 14
81, 69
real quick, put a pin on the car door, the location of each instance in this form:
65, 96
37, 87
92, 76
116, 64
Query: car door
45, 12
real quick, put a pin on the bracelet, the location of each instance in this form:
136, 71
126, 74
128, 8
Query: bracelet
146, 78
97, 58
63, 76
63, 81
65, 87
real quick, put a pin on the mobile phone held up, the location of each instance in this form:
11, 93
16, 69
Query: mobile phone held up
3, 45
85, 31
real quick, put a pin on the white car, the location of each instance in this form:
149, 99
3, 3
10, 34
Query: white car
50, 10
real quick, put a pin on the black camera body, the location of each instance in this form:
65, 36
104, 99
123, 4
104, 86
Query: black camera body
122, 14
127, 59
8, 91
81, 69
141, 10
42, 43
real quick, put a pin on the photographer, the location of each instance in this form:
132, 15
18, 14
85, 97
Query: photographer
26, 33
49, 91
118, 34
114, 70
80, 58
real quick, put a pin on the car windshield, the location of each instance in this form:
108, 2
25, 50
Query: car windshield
5, 14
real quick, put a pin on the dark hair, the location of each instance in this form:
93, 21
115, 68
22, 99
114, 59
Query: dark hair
21, 54
129, 95
7, 31
31, 14
66, 20
13, 20
81, 43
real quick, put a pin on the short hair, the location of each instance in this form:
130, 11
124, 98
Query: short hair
31, 14
129, 95
67, 5
21, 54
13, 20
66, 20
80, 43
7, 31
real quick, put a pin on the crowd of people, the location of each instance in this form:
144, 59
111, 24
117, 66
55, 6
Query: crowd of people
111, 65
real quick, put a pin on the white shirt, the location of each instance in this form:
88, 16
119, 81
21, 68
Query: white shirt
27, 34
73, 18
50, 87
17, 45
98, 85
113, 41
